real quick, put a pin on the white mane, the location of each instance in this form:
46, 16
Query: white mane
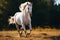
21, 7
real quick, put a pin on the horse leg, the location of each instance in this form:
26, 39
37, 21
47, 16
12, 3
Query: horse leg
30, 26
21, 30
23, 26
18, 29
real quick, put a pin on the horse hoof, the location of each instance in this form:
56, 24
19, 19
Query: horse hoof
20, 34
27, 34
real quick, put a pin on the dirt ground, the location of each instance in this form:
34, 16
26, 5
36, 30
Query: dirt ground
37, 34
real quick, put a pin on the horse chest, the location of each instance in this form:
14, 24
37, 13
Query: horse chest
26, 20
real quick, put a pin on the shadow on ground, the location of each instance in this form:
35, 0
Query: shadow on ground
53, 37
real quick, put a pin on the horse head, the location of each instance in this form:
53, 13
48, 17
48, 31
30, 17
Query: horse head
27, 7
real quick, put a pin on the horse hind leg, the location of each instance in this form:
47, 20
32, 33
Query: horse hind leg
18, 29
21, 31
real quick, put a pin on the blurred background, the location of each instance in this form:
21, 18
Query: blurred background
46, 13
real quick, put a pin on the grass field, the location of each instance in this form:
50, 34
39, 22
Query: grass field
37, 34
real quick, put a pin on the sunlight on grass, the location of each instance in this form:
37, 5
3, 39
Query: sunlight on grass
37, 34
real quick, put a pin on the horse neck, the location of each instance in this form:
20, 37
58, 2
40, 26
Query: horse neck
26, 14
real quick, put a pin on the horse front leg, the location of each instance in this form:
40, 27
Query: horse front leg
30, 26
23, 27
18, 29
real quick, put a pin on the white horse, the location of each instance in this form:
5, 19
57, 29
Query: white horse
22, 18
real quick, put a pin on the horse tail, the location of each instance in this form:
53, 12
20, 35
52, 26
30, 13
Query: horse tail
11, 20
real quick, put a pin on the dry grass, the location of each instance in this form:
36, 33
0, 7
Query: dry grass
37, 34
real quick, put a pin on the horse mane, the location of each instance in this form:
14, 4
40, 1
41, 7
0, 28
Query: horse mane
23, 5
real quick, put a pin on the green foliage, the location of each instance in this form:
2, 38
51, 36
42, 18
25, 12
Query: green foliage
44, 12
3, 5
